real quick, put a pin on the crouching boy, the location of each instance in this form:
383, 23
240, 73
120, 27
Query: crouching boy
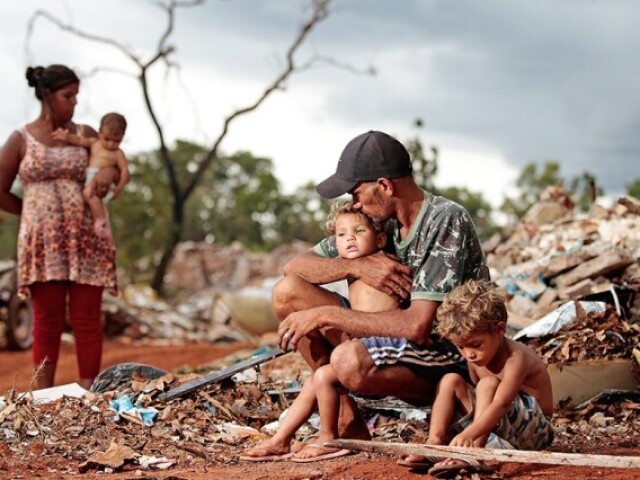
511, 393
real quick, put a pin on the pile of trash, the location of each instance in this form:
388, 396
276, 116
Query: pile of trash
593, 331
133, 428
611, 413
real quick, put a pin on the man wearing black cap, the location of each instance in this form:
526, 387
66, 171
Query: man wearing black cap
438, 248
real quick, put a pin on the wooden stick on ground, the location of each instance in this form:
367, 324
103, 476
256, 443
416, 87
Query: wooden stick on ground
487, 454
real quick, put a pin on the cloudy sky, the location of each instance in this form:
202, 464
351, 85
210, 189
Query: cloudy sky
499, 84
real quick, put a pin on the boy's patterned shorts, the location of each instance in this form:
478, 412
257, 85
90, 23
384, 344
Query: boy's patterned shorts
524, 427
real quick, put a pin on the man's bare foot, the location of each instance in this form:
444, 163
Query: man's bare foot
268, 451
315, 451
101, 228
351, 424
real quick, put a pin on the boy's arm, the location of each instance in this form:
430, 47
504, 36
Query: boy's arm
514, 373
121, 162
66, 136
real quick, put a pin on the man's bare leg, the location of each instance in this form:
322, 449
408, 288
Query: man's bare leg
356, 371
293, 294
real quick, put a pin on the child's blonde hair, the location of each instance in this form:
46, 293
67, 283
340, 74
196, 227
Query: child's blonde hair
473, 307
342, 208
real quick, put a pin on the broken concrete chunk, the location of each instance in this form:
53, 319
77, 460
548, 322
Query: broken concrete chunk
611, 261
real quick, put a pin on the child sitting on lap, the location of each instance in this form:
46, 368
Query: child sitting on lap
357, 235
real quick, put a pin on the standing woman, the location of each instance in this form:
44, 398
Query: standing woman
62, 264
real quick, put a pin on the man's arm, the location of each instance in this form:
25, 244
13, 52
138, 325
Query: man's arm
379, 270
123, 169
514, 373
414, 323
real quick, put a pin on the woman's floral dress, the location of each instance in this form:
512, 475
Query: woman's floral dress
56, 240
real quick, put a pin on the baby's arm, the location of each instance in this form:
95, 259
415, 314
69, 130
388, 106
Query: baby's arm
514, 373
121, 162
72, 138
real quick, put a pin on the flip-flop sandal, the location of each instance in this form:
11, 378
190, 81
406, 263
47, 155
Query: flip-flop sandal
428, 462
455, 466
326, 456
297, 446
272, 457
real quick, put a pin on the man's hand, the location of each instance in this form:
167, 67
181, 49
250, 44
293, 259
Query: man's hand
103, 180
384, 272
298, 325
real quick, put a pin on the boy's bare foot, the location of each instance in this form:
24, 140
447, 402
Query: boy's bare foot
420, 461
267, 451
101, 228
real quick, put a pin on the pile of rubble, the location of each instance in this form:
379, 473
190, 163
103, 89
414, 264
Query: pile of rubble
555, 255
223, 294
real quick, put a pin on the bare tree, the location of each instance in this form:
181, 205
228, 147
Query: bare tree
181, 193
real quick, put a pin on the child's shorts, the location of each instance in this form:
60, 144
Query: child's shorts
91, 172
525, 426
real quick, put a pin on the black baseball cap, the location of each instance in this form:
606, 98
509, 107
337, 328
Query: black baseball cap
366, 158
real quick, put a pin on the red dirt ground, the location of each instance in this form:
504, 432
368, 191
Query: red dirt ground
360, 466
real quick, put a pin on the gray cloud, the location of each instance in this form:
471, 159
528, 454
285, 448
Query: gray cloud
534, 80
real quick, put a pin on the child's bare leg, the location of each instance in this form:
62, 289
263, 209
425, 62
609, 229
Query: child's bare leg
299, 412
452, 391
99, 213
328, 390
485, 391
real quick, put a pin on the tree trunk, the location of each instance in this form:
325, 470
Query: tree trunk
177, 228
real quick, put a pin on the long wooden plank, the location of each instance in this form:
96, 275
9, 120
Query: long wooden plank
487, 454
221, 374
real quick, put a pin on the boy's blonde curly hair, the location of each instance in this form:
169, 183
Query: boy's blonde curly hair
341, 208
471, 308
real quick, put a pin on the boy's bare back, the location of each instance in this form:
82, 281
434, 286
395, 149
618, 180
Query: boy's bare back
520, 364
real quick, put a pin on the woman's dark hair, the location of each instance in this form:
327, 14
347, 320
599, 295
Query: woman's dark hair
52, 78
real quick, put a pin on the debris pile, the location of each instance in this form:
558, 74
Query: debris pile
200, 266
596, 334
554, 255
96, 433
611, 414
224, 293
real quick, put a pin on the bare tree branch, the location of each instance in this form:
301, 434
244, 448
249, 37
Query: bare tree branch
88, 36
320, 12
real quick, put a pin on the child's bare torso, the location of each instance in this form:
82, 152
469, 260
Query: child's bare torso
365, 298
536, 382
101, 157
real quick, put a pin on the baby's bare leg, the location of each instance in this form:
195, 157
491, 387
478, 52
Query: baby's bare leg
98, 211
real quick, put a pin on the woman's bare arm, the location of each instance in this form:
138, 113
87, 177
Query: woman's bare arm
10, 155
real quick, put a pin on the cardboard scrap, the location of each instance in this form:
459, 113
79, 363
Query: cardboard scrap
114, 457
